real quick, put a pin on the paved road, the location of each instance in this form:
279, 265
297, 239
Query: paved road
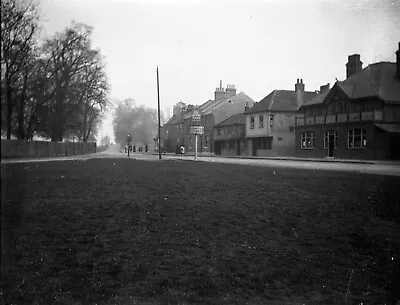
114, 152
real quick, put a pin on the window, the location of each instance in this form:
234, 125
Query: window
218, 131
251, 122
307, 140
263, 143
327, 135
261, 121
357, 138
206, 142
271, 120
231, 144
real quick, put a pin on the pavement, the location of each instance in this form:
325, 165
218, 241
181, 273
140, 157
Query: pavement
360, 166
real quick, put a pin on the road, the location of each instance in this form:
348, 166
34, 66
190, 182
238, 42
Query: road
382, 168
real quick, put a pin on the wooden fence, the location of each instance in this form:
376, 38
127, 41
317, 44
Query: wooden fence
40, 149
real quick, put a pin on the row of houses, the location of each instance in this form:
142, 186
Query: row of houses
358, 118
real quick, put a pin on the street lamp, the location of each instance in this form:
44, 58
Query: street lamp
129, 144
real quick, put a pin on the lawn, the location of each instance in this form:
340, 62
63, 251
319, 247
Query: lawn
178, 232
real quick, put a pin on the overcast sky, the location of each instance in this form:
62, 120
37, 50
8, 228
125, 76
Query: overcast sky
258, 46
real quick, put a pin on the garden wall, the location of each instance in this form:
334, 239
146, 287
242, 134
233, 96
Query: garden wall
38, 149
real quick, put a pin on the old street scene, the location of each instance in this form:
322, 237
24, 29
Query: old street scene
200, 152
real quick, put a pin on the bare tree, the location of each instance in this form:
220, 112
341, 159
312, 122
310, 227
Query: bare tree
79, 83
19, 24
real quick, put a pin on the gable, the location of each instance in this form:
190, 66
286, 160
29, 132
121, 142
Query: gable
334, 95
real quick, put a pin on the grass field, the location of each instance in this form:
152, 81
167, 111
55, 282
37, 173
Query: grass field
177, 232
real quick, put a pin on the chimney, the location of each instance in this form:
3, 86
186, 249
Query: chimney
299, 89
398, 62
353, 65
179, 108
219, 93
324, 87
246, 107
230, 90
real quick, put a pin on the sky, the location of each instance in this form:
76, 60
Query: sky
258, 46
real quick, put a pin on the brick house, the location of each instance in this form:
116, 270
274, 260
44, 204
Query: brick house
359, 118
270, 122
225, 104
173, 132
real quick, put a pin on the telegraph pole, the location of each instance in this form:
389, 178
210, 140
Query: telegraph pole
159, 120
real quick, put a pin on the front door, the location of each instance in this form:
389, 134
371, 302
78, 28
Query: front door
238, 148
331, 144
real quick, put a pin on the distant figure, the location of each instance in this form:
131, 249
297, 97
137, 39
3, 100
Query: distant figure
182, 149
145, 148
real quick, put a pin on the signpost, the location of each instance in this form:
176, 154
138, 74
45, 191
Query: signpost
196, 128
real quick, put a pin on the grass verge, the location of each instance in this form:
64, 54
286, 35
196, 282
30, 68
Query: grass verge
121, 231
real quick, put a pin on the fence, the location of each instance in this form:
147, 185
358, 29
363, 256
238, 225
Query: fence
37, 149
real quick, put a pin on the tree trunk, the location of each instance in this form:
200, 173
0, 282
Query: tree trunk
85, 125
88, 133
21, 109
58, 115
9, 106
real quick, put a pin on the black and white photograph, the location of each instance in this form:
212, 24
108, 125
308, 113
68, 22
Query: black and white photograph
190, 152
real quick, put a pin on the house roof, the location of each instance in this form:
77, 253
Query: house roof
175, 119
206, 104
376, 80
280, 100
318, 99
236, 119
209, 106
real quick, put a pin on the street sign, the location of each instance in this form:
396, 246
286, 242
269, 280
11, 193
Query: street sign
196, 117
196, 129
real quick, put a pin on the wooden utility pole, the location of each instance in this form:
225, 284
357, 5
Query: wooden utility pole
159, 120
